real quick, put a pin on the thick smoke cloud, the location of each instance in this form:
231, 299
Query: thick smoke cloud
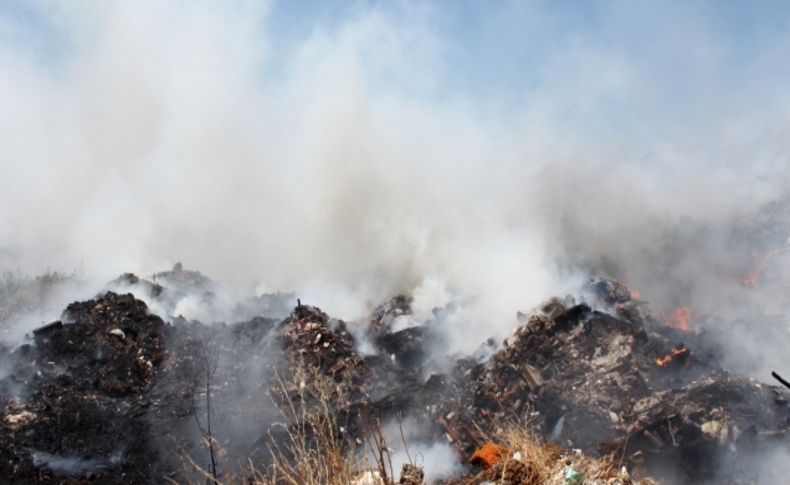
496, 157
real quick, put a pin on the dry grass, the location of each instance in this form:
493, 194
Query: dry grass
314, 448
533, 461
316, 451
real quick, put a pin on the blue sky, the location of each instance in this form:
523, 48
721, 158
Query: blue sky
507, 48
632, 72
504, 44
676, 61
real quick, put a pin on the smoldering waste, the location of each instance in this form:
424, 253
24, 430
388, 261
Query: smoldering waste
111, 393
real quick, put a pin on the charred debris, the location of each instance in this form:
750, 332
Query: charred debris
111, 392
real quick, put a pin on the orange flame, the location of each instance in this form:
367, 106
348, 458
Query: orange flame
676, 352
679, 318
750, 278
633, 292
753, 275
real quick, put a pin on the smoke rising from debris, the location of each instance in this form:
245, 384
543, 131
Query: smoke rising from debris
346, 162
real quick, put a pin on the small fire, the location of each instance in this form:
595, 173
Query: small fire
679, 318
679, 351
750, 278
753, 275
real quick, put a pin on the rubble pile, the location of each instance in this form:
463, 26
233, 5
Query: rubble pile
86, 382
590, 381
574, 376
713, 426
112, 393
311, 338
397, 335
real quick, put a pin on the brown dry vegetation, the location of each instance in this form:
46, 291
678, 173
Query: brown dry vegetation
533, 461
315, 451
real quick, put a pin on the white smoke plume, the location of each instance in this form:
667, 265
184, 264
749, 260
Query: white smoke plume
348, 154
438, 459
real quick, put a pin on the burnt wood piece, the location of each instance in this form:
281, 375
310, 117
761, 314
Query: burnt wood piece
50, 327
779, 378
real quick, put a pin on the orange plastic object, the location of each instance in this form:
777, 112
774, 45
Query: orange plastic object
487, 455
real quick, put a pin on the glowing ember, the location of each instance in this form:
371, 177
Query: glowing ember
751, 278
678, 351
753, 275
632, 292
679, 318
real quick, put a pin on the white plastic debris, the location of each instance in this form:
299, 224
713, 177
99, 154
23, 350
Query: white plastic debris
19, 419
118, 333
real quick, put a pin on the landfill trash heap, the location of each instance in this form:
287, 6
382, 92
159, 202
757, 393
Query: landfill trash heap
111, 392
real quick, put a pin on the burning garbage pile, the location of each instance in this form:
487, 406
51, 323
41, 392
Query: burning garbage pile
86, 380
112, 393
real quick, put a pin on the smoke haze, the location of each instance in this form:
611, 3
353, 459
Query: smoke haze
497, 155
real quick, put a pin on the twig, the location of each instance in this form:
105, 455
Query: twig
210, 366
381, 450
403, 439
779, 378
208, 425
